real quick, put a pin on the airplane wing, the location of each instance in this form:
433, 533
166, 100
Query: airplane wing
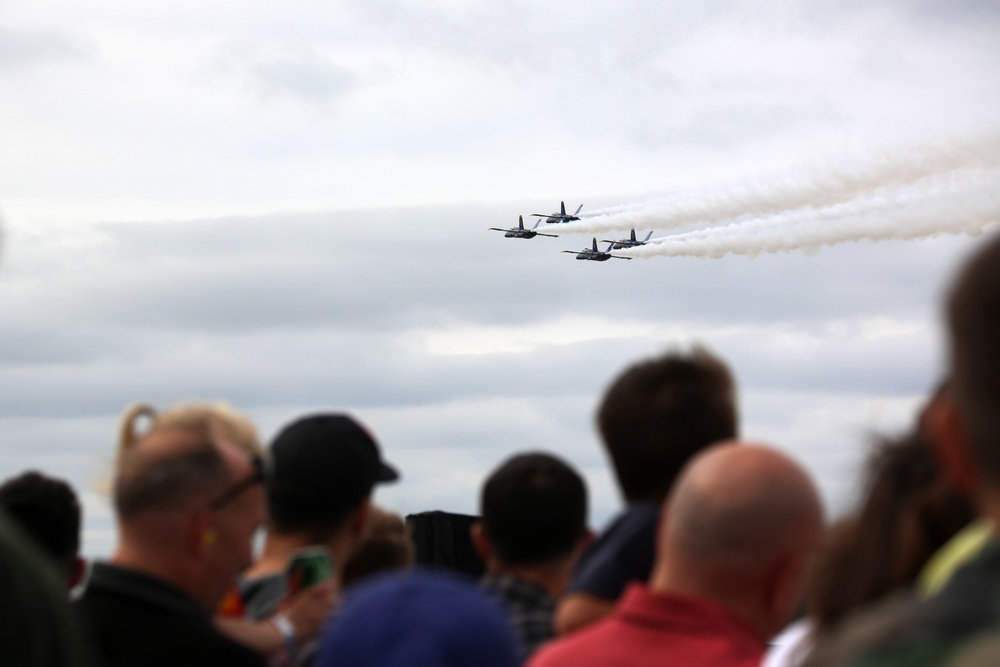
555, 236
545, 215
573, 252
620, 257
497, 229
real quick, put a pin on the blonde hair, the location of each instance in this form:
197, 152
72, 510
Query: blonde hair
219, 418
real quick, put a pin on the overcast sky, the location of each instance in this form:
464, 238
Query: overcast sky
287, 207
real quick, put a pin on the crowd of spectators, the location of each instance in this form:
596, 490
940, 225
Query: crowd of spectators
723, 554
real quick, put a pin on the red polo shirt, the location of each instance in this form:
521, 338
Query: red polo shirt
650, 628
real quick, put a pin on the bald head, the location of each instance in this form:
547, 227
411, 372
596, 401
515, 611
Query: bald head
740, 506
738, 530
173, 469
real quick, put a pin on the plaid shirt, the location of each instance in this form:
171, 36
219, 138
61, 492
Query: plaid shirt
529, 608
921, 633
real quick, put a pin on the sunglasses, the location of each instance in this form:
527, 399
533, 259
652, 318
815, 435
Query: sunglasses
258, 476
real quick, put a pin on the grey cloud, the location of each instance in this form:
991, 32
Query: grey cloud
299, 73
23, 46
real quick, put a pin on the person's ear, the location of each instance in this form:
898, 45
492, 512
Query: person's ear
77, 570
200, 534
782, 590
480, 543
359, 518
950, 441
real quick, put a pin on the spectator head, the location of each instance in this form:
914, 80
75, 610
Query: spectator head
419, 618
972, 429
324, 469
661, 412
49, 512
739, 529
385, 547
534, 512
188, 506
907, 512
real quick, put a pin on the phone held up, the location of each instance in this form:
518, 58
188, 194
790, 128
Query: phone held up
309, 567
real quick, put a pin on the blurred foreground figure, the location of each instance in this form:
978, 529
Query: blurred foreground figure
37, 628
965, 429
47, 510
653, 419
534, 526
733, 545
419, 619
188, 504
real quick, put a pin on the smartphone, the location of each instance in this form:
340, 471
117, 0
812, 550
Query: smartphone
308, 567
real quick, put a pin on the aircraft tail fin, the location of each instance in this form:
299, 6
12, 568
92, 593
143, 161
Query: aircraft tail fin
536, 225
520, 222
578, 209
562, 208
647, 236
595, 244
633, 236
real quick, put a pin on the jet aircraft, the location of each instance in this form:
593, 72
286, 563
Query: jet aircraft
551, 218
520, 232
595, 255
627, 243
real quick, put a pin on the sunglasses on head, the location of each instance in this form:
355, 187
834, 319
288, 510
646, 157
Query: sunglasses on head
258, 476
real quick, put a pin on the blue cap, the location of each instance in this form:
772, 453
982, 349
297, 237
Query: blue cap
419, 619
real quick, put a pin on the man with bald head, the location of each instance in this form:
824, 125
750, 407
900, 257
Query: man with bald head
736, 534
188, 504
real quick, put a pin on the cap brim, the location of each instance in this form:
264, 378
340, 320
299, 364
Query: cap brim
386, 473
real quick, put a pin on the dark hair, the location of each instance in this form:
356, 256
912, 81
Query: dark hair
47, 510
659, 413
534, 509
168, 479
908, 511
974, 327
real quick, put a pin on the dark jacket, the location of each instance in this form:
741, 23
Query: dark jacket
137, 620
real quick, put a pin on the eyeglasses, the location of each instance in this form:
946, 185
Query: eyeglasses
258, 476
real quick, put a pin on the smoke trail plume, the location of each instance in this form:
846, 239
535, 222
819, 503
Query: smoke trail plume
955, 203
852, 182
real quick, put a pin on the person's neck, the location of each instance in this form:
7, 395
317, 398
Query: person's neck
279, 548
731, 594
165, 566
553, 578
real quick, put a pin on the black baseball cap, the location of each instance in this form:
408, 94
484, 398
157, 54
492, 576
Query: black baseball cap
329, 460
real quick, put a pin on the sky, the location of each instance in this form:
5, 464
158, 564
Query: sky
287, 208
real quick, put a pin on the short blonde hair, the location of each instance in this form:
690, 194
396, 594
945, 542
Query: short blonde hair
220, 419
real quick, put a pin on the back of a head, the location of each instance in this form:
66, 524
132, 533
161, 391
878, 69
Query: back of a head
386, 547
419, 618
323, 467
908, 511
661, 412
974, 328
534, 509
737, 508
48, 511
168, 469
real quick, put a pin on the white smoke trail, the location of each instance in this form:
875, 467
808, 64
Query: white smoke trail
957, 203
817, 185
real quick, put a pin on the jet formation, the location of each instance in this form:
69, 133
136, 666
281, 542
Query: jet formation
592, 253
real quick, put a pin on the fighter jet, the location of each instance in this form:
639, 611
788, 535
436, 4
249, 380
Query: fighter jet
520, 232
594, 254
627, 243
551, 218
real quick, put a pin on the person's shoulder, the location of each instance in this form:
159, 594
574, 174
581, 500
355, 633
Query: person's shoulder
583, 648
261, 596
623, 552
